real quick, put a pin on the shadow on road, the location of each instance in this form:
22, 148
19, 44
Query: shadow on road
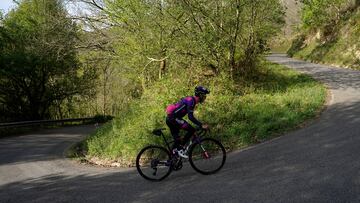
48, 144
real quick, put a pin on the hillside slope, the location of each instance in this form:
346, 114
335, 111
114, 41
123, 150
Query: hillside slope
336, 44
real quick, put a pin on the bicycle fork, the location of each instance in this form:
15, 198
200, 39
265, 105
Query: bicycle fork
206, 155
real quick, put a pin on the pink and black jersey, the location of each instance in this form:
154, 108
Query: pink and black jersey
185, 106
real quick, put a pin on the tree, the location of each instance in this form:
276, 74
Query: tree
212, 33
38, 61
231, 34
319, 13
157, 39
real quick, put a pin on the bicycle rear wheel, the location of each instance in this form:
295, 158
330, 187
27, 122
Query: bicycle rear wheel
154, 163
208, 156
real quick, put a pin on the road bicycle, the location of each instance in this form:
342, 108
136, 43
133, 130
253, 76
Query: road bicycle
206, 155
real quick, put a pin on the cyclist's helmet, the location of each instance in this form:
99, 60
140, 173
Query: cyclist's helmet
201, 92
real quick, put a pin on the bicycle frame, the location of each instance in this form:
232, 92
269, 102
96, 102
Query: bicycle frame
196, 138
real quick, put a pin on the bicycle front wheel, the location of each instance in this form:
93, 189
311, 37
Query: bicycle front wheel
154, 163
208, 156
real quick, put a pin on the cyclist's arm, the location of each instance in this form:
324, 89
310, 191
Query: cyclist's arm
190, 110
193, 119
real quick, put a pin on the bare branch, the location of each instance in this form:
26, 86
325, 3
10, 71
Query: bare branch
93, 3
152, 59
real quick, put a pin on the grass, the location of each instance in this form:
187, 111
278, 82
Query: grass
240, 113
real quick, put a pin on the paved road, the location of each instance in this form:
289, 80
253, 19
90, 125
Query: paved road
319, 163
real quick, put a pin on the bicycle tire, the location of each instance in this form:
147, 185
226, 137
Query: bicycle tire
213, 150
142, 160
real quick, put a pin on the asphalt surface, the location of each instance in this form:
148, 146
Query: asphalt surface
318, 163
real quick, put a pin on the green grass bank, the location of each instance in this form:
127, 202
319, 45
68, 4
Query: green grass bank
240, 113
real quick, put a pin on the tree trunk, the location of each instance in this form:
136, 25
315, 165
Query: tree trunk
162, 68
59, 110
232, 60
105, 94
107, 72
35, 111
233, 44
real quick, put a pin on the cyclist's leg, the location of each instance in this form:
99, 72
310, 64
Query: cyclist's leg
175, 130
190, 132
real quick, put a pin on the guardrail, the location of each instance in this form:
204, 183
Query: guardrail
46, 122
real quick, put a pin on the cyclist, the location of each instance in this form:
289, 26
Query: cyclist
175, 121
